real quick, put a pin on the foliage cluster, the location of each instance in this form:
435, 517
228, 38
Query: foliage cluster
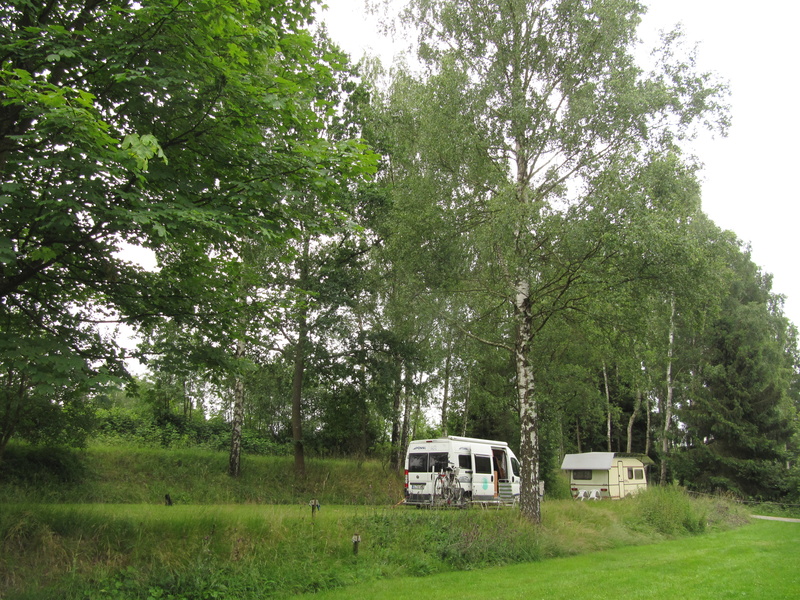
256, 551
120, 426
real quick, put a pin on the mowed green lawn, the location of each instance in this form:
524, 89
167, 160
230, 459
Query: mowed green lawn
760, 560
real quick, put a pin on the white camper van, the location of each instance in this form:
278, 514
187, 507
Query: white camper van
597, 475
484, 471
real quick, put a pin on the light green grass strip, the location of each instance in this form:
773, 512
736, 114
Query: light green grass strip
758, 561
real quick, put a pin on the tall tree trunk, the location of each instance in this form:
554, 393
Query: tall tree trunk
407, 400
235, 459
465, 419
648, 415
446, 393
636, 407
668, 401
187, 400
297, 396
395, 462
362, 444
528, 409
300, 367
608, 406
418, 416
14, 398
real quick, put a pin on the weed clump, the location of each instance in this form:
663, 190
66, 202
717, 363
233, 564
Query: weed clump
670, 511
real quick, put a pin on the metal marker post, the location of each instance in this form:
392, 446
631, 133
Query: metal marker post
356, 542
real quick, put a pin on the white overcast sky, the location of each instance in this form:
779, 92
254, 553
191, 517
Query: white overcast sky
749, 182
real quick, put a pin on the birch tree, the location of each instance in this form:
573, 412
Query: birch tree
537, 109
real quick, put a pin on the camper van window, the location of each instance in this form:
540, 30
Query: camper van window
418, 463
439, 461
639, 474
515, 467
483, 464
582, 474
464, 461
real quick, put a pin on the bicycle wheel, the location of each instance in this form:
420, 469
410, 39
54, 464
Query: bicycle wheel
439, 496
457, 494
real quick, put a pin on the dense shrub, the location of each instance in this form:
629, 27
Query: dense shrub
669, 510
124, 426
41, 466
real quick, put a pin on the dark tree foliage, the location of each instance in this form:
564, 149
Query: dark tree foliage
739, 417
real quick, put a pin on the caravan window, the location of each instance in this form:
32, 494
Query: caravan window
582, 474
483, 464
464, 461
635, 473
418, 463
439, 461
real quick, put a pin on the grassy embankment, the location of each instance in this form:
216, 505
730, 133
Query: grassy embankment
104, 532
758, 562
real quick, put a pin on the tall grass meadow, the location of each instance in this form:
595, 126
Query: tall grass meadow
105, 532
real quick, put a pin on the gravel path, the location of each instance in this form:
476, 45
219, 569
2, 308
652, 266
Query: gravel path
788, 520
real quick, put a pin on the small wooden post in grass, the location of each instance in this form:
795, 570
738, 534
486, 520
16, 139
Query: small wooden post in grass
314, 504
356, 542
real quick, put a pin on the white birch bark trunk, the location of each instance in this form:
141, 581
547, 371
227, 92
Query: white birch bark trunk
446, 394
636, 407
465, 419
528, 409
608, 406
668, 400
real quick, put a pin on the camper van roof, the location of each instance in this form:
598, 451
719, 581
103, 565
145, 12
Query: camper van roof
588, 460
458, 438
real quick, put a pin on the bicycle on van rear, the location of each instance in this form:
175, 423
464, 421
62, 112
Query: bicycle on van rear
447, 490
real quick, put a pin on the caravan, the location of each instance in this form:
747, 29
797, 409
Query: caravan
596, 475
460, 470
